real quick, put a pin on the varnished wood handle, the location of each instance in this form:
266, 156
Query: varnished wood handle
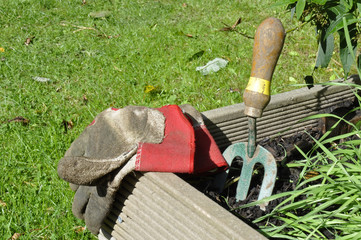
268, 43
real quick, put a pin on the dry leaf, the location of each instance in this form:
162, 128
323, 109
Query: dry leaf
234, 90
29, 183
39, 229
85, 99
149, 89
231, 28
20, 119
239, 20
83, 2
184, 5
115, 36
225, 29
189, 35
68, 124
79, 229
50, 209
28, 41
118, 69
227, 58
311, 174
2, 203
16, 236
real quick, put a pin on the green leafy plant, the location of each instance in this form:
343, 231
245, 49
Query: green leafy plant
329, 17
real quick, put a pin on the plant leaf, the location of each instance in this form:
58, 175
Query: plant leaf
348, 4
337, 24
300, 6
325, 50
283, 2
338, 9
320, 2
347, 47
196, 55
309, 81
293, 10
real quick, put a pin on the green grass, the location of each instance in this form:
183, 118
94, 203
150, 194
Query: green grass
97, 63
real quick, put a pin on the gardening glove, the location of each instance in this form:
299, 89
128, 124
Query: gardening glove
134, 138
109, 142
103, 154
93, 203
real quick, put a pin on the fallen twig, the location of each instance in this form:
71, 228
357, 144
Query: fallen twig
233, 29
82, 28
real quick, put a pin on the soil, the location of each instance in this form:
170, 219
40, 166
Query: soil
286, 177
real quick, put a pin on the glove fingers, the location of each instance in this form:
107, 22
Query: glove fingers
97, 209
93, 203
80, 201
101, 201
193, 114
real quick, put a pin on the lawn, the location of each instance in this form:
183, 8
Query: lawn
61, 64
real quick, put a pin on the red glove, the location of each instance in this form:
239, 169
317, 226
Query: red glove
187, 147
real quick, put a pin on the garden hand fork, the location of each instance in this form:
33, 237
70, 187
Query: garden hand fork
268, 44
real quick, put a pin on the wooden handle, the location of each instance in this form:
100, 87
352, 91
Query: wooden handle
268, 43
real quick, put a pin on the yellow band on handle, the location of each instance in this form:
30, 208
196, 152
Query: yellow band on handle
259, 85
